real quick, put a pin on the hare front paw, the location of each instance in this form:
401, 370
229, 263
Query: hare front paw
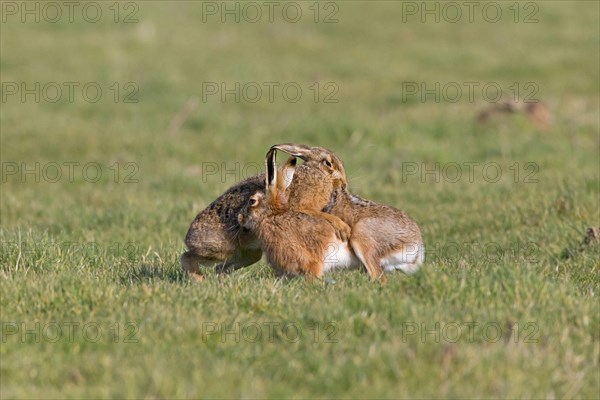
342, 230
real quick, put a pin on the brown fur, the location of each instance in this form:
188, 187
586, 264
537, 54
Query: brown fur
295, 242
215, 236
313, 184
378, 230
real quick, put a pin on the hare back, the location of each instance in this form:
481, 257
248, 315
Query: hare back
387, 224
216, 228
352, 209
364, 208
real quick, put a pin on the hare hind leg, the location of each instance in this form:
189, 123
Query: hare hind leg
369, 260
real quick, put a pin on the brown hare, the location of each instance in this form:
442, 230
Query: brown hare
313, 186
295, 242
215, 236
383, 237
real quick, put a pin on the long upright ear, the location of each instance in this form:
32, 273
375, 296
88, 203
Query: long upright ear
277, 179
275, 190
271, 168
287, 173
297, 150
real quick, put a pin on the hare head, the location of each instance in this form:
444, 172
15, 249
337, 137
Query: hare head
274, 198
318, 157
253, 212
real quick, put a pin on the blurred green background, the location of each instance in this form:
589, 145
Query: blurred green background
166, 148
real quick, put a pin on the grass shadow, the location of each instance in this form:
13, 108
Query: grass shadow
150, 273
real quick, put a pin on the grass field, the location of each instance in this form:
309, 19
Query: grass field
93, 302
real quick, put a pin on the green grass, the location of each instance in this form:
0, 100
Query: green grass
105, 254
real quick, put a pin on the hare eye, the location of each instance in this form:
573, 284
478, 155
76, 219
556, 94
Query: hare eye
252, 202
327, 163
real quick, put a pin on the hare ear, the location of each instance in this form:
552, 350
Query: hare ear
296, 150
271, 168
287, 172
284, 175
275, 189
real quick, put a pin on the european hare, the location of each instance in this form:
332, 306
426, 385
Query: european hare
294, 241
215, 236
383, 237
310, 186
